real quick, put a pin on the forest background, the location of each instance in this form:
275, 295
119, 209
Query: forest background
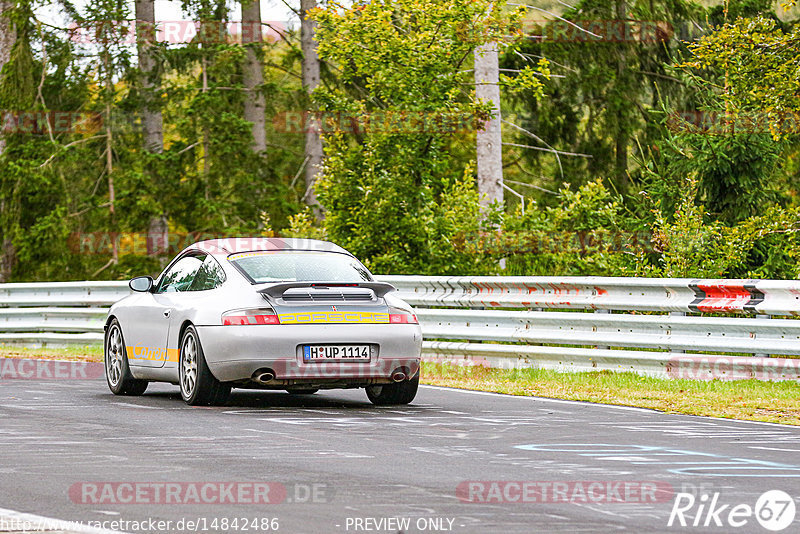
640, 138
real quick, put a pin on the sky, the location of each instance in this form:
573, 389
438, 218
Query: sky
270, 10
170, 11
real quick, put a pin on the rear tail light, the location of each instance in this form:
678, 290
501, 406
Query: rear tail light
403, 318
400, 316
250, 316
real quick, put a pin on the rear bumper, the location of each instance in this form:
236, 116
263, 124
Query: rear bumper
235, 353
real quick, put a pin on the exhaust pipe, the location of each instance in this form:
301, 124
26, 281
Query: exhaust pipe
398, 376
264, 376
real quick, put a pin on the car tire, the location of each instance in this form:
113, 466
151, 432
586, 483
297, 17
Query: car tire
302, 391
118, 372
393, 394
198, 386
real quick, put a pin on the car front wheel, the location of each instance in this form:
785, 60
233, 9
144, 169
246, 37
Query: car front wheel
392, 394
198, 386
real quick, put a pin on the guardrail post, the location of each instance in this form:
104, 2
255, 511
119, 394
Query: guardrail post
760, 354
602, 346
677, 314
537, 310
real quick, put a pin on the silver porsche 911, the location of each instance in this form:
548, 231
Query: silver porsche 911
292, 314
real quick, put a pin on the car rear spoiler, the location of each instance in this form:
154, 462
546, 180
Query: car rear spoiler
276, 290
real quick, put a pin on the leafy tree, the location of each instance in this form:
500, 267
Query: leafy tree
56, 183
759, 59
397, 181
588, 232
718, 178
692, 245
611, 64
399, 114
738, 172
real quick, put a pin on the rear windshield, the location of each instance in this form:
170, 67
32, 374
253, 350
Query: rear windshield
284, 266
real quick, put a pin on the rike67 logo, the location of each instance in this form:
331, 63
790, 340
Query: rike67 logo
774, 510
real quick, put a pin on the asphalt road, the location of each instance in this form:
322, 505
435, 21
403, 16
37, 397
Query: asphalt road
336, 464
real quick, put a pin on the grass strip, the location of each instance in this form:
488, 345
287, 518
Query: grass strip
76, 353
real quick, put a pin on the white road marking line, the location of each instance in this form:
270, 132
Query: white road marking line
141, 406
544, 399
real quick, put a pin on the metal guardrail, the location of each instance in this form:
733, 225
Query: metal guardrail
664, 327
56, 313
769, 297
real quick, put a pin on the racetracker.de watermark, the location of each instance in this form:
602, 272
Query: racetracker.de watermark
171, 243
613, 31
387, 122
49, 122
150, 524
136, 243
564, 491
177, 31
299, 122
554, 242
598, 31
192, 493
22, 369
700, 367
732, 123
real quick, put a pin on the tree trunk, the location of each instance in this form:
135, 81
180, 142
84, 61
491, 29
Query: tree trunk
151, 114
253, 74
8, 36
152, 122
621, 139
489, 138
206, 133
109, 153
313, 147
158, 236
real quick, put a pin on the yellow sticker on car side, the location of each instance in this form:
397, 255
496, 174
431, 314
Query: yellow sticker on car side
152, 354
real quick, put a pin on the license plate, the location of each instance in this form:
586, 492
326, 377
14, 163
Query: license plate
312, 353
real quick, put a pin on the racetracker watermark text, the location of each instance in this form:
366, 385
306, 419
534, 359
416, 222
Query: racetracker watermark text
701, 367
184, 524
206, 493
49, 122
564, 491
21, 369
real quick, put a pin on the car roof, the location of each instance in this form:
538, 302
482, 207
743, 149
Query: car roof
233, 245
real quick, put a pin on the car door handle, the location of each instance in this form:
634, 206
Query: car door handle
167, 312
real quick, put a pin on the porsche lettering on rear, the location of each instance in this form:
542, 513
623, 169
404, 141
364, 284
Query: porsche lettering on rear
334, 317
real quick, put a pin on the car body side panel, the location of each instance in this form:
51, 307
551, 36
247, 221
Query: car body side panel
197, 308
144, 328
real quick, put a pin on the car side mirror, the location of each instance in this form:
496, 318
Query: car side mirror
141, 283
